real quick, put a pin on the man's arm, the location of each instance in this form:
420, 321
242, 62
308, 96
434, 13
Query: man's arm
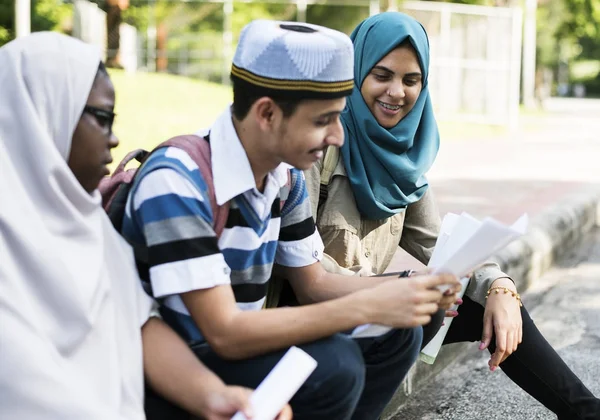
236, 334
313, 283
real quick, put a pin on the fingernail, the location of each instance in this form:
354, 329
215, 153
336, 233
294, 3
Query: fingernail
459, 301
481, 346
443, 323
494, 368
453, 313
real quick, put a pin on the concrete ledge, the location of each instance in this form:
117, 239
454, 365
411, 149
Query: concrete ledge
551, 234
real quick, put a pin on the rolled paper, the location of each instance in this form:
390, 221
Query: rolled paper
280, 385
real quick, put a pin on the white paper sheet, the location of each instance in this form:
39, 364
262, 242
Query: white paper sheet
369, 330
280, 385
465, 244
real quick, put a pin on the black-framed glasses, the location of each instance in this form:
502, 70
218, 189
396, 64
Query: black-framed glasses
105, 118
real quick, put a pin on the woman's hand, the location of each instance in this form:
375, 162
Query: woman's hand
453, 313
502, 316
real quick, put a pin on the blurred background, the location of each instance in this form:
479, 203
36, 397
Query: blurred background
491, 60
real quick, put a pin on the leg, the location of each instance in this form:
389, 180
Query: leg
157, 408
388, 359
331, 392
535, 366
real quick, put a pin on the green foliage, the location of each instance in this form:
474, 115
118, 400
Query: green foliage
7, 11
568, 31
45, 15
342, 18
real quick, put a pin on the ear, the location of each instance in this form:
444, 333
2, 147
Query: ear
265, 111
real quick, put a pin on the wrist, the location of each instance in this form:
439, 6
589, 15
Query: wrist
359, 307
504, 282
204, 390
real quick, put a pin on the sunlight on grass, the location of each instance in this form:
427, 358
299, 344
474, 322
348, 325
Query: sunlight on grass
468, 131
154, 107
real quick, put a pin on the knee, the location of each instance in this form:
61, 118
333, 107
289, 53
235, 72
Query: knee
340, 373
400, 345
411, 342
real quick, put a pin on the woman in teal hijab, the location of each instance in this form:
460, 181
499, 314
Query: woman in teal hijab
375, 197
386, 163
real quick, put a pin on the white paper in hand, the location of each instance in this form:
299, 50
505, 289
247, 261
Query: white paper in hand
280, 385
471, 243
369, 330
464, 244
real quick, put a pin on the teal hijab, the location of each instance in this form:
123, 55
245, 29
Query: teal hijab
386, 167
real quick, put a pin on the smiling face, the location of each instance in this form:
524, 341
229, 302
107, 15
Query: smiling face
93, 138
314, 125
297, 136
393, 85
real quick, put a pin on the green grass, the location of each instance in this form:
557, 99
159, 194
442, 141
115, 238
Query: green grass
154, 107
468, 131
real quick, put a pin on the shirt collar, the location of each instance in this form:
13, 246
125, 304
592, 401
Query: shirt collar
232, 173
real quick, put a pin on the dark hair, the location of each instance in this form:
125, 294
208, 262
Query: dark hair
245, 95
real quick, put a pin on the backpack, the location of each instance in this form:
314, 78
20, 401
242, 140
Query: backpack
115, 189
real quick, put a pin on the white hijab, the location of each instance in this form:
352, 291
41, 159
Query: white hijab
71, 305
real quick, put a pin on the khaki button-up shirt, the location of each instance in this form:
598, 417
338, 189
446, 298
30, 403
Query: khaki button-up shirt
359, 246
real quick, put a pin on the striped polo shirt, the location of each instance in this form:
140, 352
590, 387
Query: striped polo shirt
169, 214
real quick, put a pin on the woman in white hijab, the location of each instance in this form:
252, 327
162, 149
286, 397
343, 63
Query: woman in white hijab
73, 315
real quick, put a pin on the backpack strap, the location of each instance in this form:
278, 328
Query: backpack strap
198, 149
330, 161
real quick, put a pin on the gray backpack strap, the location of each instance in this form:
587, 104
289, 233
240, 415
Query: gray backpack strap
330, 161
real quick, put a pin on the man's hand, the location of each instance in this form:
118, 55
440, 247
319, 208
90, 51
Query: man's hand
223, 404
407, 302
449, 299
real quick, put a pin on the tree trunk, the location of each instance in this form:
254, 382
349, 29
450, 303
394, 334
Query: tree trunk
113, 37
162, 60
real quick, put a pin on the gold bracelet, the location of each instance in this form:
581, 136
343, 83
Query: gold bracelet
506, 290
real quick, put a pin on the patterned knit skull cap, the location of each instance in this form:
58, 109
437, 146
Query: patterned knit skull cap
294, 60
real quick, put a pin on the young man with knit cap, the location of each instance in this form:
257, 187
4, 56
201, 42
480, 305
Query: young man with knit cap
290, 81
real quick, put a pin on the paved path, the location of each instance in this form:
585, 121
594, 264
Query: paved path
565, 304
546, 160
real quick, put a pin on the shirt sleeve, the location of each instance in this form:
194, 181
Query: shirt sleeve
421, 228
176, 219
299, 242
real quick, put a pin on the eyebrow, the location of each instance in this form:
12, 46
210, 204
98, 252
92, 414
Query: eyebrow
330, 114
385, 69
104, 107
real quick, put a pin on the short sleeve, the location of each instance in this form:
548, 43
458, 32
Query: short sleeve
299, 242
175, 217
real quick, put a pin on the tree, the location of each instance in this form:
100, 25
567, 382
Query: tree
45, 15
